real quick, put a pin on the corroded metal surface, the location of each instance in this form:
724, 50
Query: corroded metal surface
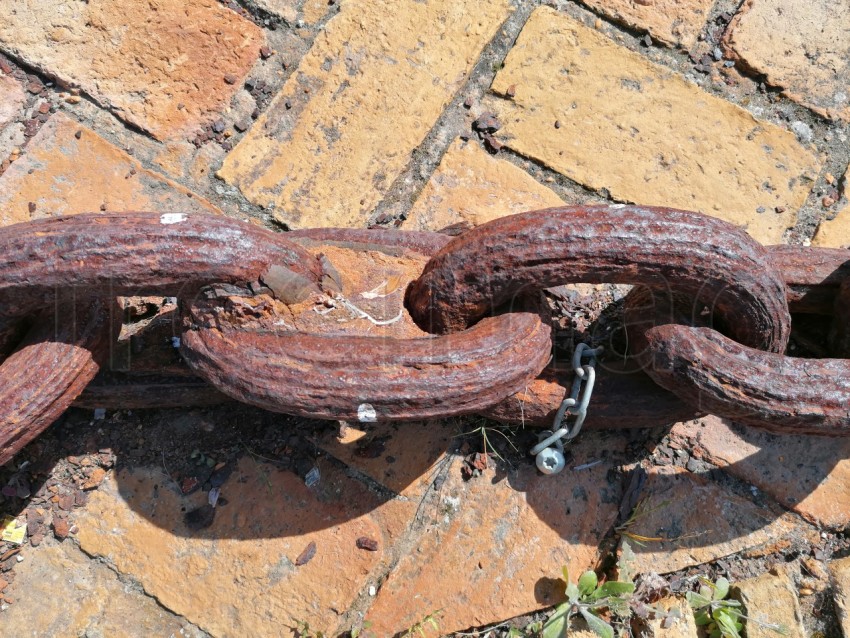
100, 256
139, 254
812, 275
704, 258
626, 397
623, 398
12, 330
50, 368
124, 392
369, 379
423, 242
766, 390
316, 322
356, 354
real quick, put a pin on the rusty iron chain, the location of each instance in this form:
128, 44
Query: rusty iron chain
706, 259
387, 325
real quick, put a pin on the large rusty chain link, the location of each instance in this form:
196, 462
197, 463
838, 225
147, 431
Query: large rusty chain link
387, 325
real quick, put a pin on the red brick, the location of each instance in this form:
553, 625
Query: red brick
157, 64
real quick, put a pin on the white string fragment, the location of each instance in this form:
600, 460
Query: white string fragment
172, 218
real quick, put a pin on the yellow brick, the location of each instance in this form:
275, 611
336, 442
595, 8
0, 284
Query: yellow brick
64, 593
471, 186
63, 175
801, 46
675, 22
645, 133
379, 75
770, 600
834, 233
315, 10
286, 9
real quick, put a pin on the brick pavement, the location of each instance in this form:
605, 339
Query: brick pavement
351, 112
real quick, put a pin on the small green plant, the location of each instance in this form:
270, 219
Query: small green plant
363, 632
302, 630
720, 617
589, 599
484, 430
418, 628
641, 510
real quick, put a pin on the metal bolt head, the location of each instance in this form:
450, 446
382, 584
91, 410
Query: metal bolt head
550, 461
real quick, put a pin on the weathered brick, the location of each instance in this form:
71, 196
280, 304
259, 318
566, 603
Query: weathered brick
839, 572
238, 576
609, 119
63, 175
676, 22
364, 97
157, 64
676, 620
470, 186
800, 46
771, 606
497, 543
183, 161
835, 232
315, 10
809, 475
11, 137
286, 9
402, 458
12, 98
61, 592
699, 521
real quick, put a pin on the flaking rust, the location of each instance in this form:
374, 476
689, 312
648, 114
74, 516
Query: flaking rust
49, 369
422, 242
95, 257
623, 398
315, 323
707, 259
118, 392
812, 275
138, 254
773, 392
145, 369
382, 368
369, 378
146, 372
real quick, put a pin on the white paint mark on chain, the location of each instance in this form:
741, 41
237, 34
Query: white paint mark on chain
366, 413
172, 218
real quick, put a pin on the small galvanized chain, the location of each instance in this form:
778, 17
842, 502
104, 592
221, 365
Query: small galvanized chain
551, 460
